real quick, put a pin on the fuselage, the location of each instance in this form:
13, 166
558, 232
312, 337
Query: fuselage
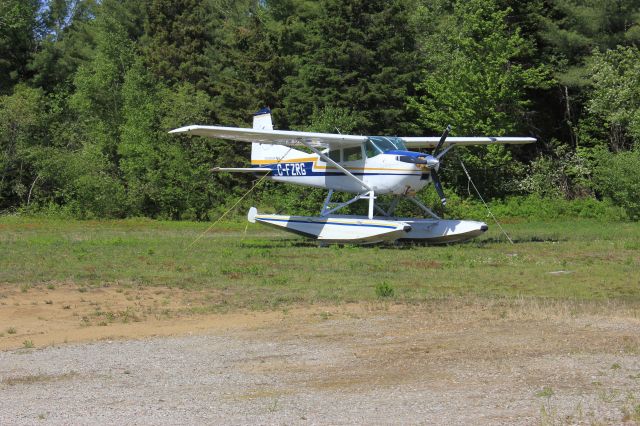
383, 172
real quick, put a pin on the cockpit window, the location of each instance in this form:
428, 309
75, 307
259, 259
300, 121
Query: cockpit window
371, 150
382, 144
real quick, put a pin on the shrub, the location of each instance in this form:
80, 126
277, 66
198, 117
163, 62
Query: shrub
384, 290
618, 178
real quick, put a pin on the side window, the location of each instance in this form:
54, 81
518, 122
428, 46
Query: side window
353, 153
335, 155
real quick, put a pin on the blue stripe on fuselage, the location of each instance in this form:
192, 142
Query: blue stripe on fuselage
306, 169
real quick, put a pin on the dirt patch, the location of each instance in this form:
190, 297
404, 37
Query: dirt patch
452, 361
63, 313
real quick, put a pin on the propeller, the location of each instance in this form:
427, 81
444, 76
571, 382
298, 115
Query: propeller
433, 162
441, 141
434, 170
438, 186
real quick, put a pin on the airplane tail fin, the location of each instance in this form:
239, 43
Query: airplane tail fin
262, 120
261, 152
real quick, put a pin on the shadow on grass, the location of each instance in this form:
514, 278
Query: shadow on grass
397, 245
277, 243
519, 240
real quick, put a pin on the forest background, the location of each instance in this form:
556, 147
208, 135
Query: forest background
89, 90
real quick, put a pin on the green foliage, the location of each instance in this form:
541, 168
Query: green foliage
615, 94
97, 99
22, 130
474, 79
358, 56
332, 119
617, 178
89, 89
67, 41
572, 29
563, 174
527, 208
18, 24
384, 290
177, 36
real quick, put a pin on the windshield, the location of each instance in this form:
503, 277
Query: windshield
380, 144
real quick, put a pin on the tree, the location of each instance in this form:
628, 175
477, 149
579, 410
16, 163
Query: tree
97, 99
572, 29
614, 96
18, 25
23, 121
177, 36
66, 41
569, 32
473, 78
617, 178
358, 56
476, 80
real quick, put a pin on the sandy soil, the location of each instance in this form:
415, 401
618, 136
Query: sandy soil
448, 362
69, 314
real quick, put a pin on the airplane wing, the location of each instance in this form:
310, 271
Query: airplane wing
332, 140
432, 141
276, 137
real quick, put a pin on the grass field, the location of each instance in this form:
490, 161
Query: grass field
263, 268
546, 329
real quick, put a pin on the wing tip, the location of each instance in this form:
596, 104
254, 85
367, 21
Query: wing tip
184, 129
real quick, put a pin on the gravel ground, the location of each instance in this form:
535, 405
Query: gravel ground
379, 368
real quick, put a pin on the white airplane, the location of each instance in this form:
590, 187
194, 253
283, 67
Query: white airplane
366, 166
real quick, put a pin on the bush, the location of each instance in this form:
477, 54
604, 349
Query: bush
530, 207
618, 178
384, 290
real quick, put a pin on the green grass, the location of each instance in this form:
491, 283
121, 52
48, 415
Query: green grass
265, 268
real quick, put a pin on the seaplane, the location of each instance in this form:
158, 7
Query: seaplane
366, 166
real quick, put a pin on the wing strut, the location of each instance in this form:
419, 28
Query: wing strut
370, 195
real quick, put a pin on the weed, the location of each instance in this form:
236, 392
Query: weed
82, 289
25, 288
48, 302
28, 344
608, 396
66, 306
37, 378
546, 410
615, 366
11, 330
384, 290
51, 286
546, 392
273, 407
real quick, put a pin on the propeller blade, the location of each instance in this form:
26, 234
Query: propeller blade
436, 183
441, 141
